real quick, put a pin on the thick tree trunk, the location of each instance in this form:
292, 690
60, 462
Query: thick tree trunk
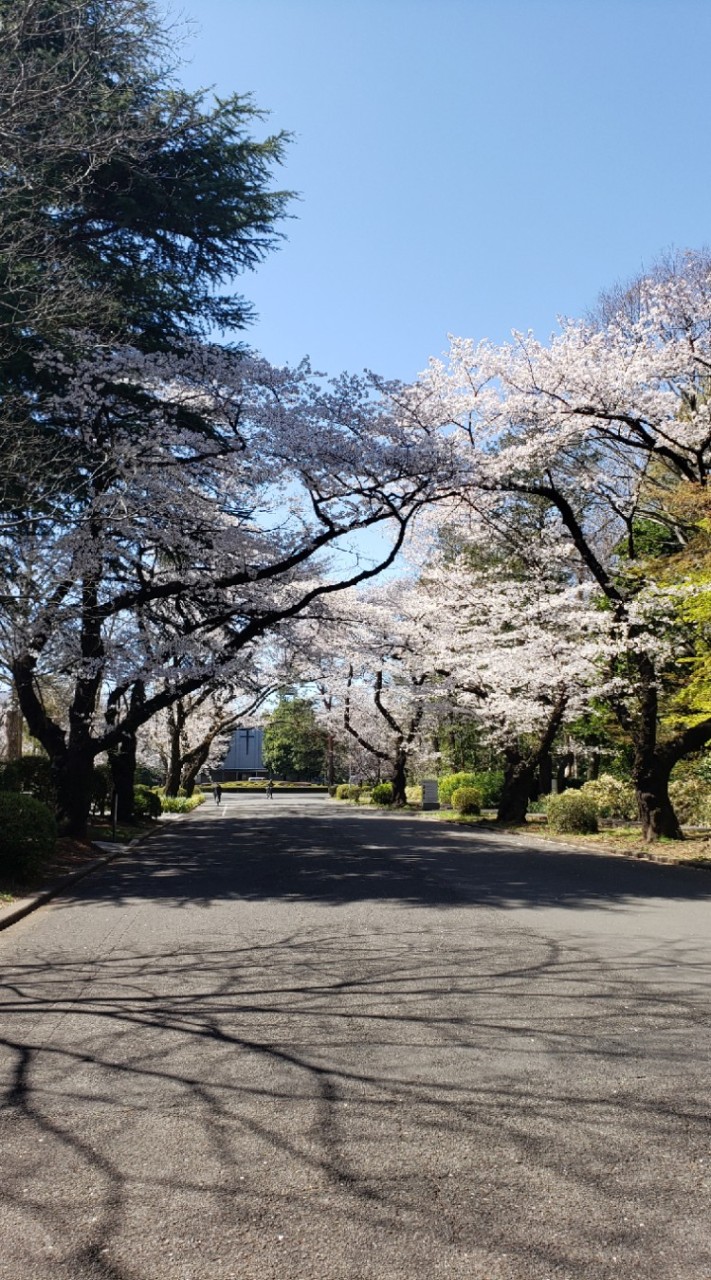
399, 781
73, 773
519, 777
122, 759
198, 758
656, 812
172, 775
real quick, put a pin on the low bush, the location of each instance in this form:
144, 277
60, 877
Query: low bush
466, 800
691, 798
29, 833
101, 788
451, 782
146, 804
347, 791
31, 774
413, 794
613, 798
181, 804
490, 784
572, 813
382, 793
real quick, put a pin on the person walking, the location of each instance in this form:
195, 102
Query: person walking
270, 789
217, 792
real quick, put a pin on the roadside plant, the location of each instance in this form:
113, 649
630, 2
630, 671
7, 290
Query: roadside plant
452, 782
572, 813
691, 798
182, 804
466, 800
29, 834
613, 797
146, 803
382, 793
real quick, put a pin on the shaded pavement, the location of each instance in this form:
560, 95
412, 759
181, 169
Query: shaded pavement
288, 1039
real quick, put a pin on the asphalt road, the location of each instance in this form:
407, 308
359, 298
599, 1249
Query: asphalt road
292, 1040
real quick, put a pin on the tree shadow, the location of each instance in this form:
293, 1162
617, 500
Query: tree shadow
424, 1105
352, 858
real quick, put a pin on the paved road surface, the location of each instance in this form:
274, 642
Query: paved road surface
293, 1041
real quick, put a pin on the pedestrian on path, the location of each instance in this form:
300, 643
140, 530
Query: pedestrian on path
217, 792
270, 789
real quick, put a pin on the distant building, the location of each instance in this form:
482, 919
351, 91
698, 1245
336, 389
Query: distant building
243, 759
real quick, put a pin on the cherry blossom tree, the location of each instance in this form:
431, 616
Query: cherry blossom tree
378, 681
184, 737
518, 646
597, 425
213, 486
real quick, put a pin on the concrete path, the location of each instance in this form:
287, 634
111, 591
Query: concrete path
296, 1041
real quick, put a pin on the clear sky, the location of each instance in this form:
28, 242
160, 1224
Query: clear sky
463, 166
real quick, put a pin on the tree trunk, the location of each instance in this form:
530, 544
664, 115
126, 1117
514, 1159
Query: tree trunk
518, 781
73, 774
545, 776
656, 812
192, 769
122, 759
399, 781
172, 774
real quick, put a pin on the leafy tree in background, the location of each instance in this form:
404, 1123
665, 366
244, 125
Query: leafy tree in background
127, 207
294, 744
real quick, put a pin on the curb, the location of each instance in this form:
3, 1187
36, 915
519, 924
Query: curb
17, 910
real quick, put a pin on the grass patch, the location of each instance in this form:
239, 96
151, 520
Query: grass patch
99, 830
694, 850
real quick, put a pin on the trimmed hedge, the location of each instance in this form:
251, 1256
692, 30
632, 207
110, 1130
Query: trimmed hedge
305, 787
29, 834
346, 791
382, 793
181, 804
488, 782
451, 782
146, 804
466, 800
572, 813
31, 774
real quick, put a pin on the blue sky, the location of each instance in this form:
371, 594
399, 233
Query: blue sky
463, 166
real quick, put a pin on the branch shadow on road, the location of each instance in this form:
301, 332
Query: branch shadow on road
349, 860
490, 1098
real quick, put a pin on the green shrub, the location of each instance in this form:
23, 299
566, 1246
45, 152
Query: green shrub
101, 788
29, 833
490, 784
181, 804
146, 804
691, 798
466, 800
32, 774
613, 798
413, 794
572, 813
347, 791
382, 793
448, 785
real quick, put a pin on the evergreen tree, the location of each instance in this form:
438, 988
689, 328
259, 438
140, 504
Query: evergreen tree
127, 207
294, 744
